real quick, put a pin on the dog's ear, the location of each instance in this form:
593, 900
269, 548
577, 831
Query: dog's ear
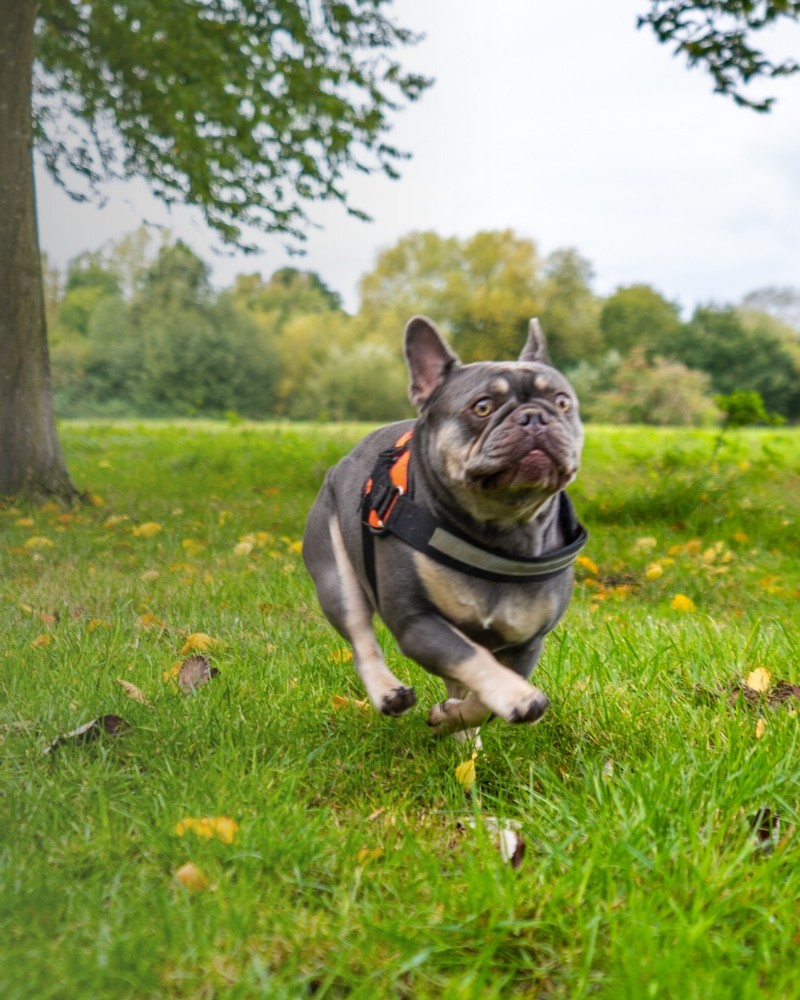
535, 348
429, 359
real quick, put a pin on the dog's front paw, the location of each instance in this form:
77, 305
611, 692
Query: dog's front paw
532, 709
398, 701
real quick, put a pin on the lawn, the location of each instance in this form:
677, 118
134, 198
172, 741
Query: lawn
336, 853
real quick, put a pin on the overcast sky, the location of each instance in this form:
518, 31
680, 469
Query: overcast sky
563, 122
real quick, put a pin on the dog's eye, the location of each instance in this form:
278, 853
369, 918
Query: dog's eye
563, 402
483, 408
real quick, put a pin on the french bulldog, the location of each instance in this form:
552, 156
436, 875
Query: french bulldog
456, 530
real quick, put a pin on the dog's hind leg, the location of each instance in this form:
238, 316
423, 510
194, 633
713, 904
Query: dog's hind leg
457, 692
347, 607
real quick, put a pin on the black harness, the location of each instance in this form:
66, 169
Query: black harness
388, 506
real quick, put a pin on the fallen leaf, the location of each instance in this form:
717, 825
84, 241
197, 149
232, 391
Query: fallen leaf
190, 876
783, 691
680, 602
758, 679
653, 571
466, 775
41, 641
113, 725
367, 854
38, 542
341, 701
194, 673
761, 728
133, 692
197, 642
222, 827
505, 837
150, 621
766, 826
146, 530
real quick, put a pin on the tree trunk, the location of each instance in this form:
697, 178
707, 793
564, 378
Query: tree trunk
31, 460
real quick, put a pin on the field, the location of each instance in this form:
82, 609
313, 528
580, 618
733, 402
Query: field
336, 853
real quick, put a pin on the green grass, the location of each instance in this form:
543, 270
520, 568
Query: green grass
351, 875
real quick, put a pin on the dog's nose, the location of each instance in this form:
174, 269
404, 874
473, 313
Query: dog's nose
532, 415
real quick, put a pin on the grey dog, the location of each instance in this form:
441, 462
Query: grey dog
455, 528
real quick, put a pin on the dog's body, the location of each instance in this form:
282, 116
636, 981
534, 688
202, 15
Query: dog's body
492, 449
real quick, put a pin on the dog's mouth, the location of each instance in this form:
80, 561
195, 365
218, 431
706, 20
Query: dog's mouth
536, 468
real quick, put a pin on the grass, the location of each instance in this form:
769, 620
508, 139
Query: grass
354, 871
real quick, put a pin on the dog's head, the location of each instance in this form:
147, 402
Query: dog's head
502, 438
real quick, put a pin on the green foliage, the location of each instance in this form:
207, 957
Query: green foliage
742, 408
249, 110
637, 316
736, 357
355, 871
481, 291
659, 392
717, 37
570, 312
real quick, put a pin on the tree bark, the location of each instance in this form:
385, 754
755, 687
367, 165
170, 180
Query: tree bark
31, 461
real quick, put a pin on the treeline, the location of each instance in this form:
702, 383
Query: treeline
138, 330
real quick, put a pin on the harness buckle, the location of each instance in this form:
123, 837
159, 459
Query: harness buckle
381, 506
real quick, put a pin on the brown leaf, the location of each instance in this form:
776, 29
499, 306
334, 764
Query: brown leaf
133, 692
783, 691
195, 672
766, 826
113, 725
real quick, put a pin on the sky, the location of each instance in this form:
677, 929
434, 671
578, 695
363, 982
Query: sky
561, 121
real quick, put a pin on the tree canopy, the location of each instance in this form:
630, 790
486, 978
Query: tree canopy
718, 36
249, 109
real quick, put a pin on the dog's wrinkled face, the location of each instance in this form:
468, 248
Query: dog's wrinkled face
503, 437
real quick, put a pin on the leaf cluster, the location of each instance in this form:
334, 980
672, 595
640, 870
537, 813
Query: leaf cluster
716, 34
249, 109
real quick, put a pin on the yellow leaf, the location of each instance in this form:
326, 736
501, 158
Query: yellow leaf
680, 602
653, 571
172, 673
38, 542
761, 728
758, 679
192, 545
95, 623
341, 656
25, 522
150, 621
114, 520
367, 854
588, 565
465, 773
49, 508
644, 544
192, 877
197, 642
222, 827
95, 500
740, 537
340, 701
149, 575
243, 548
296, 547
146, 530
42, 641
133, 692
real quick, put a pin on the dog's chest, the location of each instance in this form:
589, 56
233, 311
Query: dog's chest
500, 614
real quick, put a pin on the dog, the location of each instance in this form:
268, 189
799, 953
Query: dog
455, 529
